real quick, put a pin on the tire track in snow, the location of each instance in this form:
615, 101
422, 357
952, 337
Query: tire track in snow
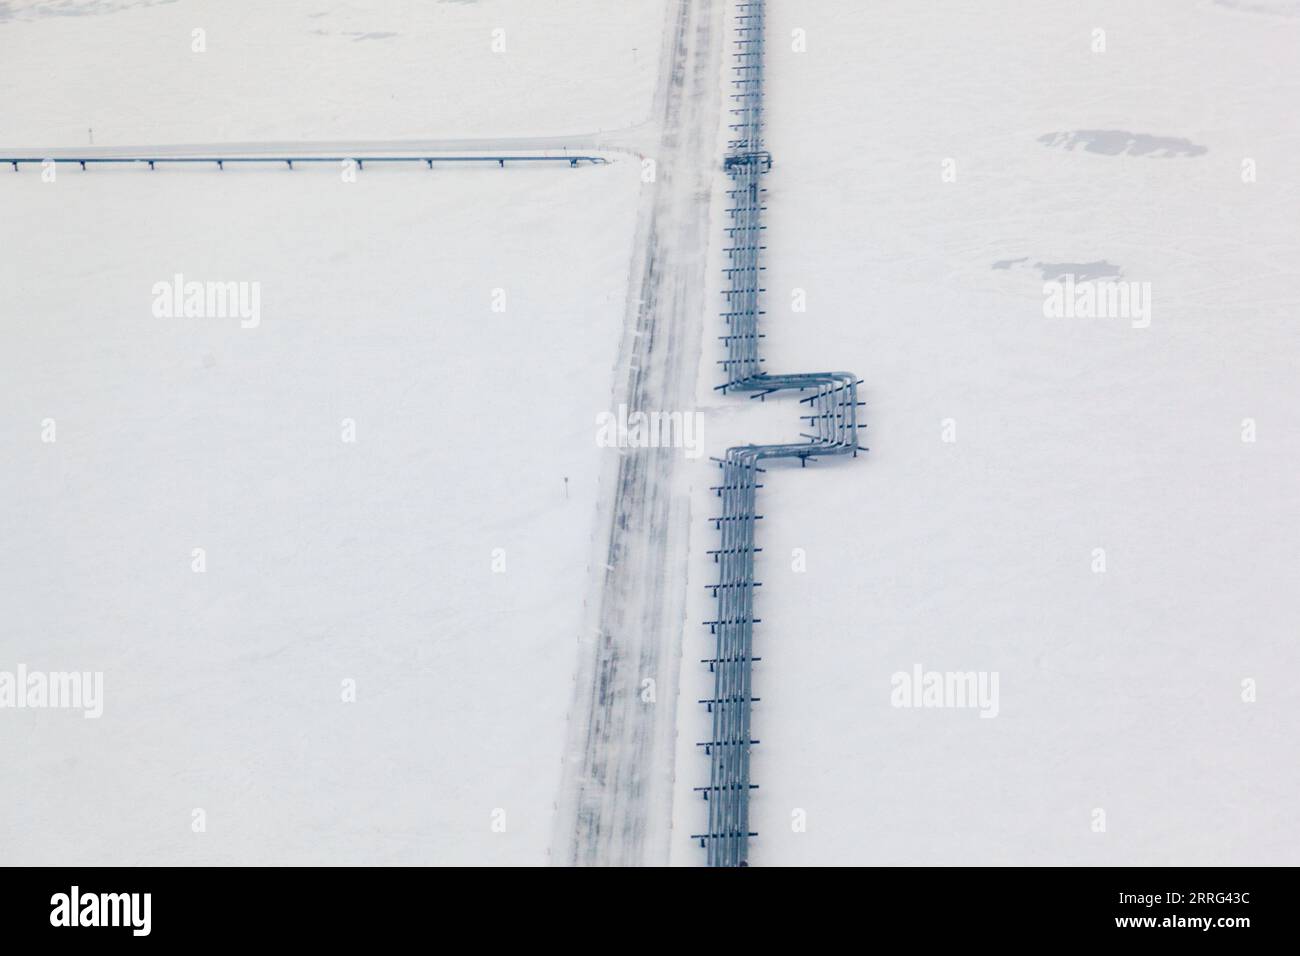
615, 806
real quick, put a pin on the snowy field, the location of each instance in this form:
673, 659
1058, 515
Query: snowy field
1121, 690
437, 561
387, 486
321, 69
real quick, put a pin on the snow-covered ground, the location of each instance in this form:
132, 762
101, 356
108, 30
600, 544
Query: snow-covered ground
321, 69
1119, 691
326, 560
436, 561
935, 163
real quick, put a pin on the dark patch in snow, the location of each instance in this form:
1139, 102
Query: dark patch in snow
40, 9
1082, 271
1118, 142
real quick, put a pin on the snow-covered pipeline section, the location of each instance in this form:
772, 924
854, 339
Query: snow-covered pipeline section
359, 159
832, 430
